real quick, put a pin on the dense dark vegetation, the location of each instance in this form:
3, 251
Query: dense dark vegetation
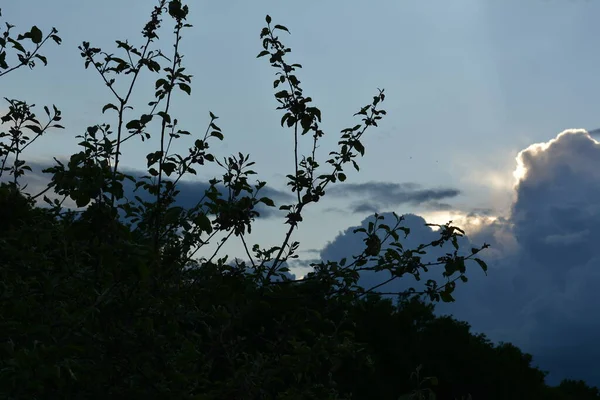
120, 298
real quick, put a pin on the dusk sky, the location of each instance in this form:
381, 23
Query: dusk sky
475, 90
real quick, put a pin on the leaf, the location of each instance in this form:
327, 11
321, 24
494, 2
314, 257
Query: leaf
36, 35
482, 264
42, 58
133, 124
166, 117
145, 118
17, 45
281, 94
82, 200
169, 168
109, 106
216, 134
285, 117
203, 223
34, 128
281, 28
446, 297
160, 82
268, 19
172, 215
186, 88
3, 63
359, 147
267, 201
263, 53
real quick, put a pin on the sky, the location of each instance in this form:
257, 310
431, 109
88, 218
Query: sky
484, 101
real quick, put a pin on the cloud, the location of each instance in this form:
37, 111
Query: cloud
347, 244
480, 211
544, 263
384, 195
190, 191
542, 292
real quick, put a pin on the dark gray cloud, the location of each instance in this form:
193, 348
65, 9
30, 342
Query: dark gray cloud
438, 206
315, 251
190, 191
544, 263
373, 207
365, 207
385, 195
306, 263
594, 132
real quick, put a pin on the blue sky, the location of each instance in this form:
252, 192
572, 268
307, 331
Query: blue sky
469, 84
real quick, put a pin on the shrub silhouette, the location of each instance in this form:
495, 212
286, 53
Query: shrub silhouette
110, 300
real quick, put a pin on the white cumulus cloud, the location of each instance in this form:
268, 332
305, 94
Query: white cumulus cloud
541, 289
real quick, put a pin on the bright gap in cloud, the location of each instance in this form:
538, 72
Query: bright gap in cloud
469, 223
